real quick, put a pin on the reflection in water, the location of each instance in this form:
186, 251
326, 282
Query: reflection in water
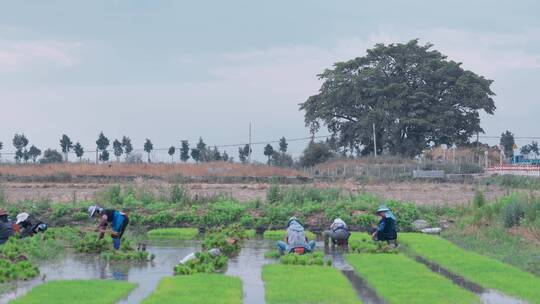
77, 266
248, 266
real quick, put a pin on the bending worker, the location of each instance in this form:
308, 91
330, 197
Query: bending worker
29, 225
6, 227
387, 228
296, 240
118, 220
338, 233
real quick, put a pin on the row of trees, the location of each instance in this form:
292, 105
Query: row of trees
200, 153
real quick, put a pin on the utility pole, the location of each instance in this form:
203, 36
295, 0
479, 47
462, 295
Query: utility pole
374, 141
249, 145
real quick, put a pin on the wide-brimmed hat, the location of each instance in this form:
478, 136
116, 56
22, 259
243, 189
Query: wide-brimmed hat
21, 217
382, 208
3, 212
93, 209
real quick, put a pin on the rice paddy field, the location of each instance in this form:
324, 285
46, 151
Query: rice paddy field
70, 263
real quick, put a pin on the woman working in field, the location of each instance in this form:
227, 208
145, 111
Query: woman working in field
118, 220
387, 228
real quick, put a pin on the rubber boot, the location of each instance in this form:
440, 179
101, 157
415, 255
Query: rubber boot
116, 243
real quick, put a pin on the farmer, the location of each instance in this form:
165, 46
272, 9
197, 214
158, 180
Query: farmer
6, 227
338, 233
29, 225
387, 228
296, 240
118, 220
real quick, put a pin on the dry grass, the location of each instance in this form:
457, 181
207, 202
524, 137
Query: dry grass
220, 169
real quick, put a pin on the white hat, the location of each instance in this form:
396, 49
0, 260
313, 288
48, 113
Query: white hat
92, 210
21, 217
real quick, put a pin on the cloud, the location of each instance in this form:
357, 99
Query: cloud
18, 54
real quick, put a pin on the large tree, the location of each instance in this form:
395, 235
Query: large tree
65, 144
413, 95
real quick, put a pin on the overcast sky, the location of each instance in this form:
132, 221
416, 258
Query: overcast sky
172, 70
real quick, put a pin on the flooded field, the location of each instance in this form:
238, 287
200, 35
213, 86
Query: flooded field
247, 265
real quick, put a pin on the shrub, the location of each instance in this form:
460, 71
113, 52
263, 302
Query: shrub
178, 194
513, 213
479, 201
273, 194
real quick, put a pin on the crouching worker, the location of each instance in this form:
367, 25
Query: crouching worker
118, 220
296, 240
338, 233
6, 227
29, 225
387, 228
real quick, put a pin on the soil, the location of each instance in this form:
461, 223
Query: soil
418, 192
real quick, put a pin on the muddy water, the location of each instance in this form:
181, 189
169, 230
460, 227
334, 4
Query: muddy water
76, 266
364, 292
486, 296
247, 265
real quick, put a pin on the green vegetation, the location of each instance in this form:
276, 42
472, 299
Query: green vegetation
479, 269
173, 233
279, 235
77, 291
176, 207
362, 243
398, 279
203, 263
18, 257
228, 240
513, 181
306, 284
316, 258
90, 243
199, 288
510, 224
387, 70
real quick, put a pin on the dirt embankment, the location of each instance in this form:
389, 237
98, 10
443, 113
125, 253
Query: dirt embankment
418, 192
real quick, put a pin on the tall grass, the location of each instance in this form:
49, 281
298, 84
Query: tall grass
219, 169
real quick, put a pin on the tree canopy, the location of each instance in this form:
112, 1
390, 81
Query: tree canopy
507, 142
413, 94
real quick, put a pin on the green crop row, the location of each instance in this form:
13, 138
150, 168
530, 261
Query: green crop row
77, 291
173, 233
484, 271
306, 284
399, 279
199, 288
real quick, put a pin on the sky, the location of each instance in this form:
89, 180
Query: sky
174, 70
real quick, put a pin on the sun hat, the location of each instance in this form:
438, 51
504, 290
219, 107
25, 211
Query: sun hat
382, 208
92, 210
3, 211
21, 217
